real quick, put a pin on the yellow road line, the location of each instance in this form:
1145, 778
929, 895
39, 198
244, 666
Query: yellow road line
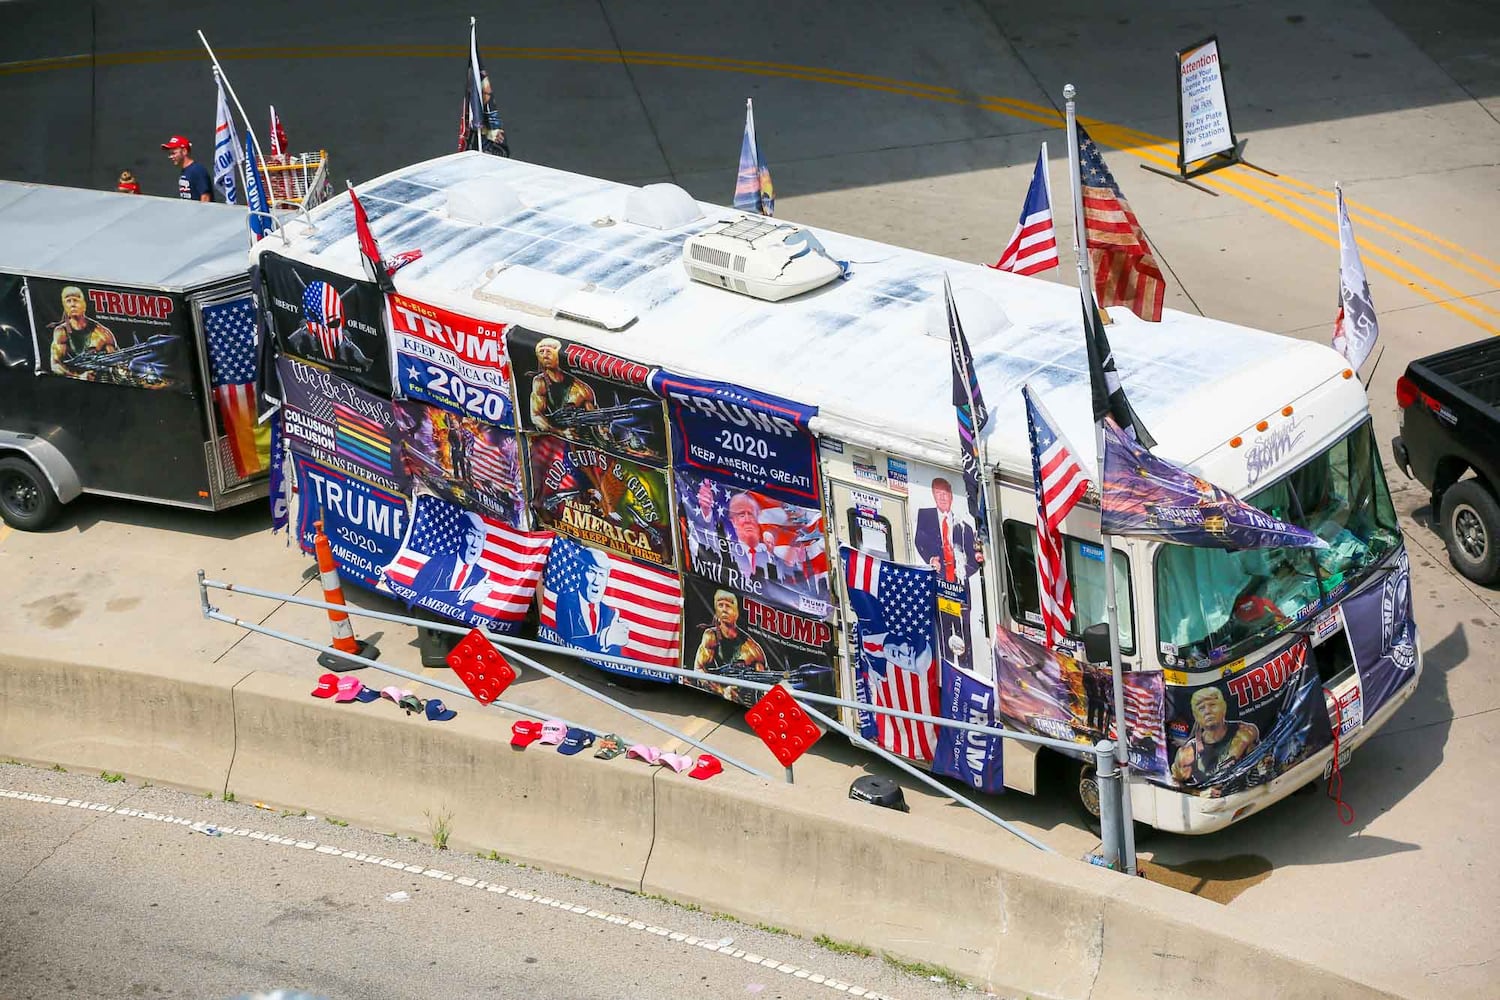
1278, 197
5, 530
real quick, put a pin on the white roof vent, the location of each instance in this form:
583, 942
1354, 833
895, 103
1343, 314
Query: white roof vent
527, 289
982, 317
483, 200
661, 206
759, 257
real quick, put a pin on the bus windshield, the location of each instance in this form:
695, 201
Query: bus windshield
1212, 603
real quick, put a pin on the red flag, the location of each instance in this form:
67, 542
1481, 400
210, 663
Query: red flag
1125, 272
380, 269
278, 135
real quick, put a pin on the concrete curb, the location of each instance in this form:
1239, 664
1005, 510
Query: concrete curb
1000, 914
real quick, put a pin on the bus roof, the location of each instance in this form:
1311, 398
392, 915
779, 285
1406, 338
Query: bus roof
118, 239
870, 350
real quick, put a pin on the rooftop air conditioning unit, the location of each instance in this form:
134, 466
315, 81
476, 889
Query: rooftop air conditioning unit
760, 258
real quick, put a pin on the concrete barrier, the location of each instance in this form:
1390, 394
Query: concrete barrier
171, 724
376, 766
999, 913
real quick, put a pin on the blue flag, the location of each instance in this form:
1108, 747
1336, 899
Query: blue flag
260, 208
973, 415
1148, 497
752, 187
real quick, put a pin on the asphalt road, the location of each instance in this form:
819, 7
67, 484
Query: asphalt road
107, 905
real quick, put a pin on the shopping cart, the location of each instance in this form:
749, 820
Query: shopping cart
299, 180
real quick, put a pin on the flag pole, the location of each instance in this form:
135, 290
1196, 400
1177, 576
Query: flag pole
260, 152
1086, 286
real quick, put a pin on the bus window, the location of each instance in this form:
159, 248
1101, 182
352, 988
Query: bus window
1085, 563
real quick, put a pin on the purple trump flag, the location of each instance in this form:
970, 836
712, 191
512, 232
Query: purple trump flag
1148, 497
969, 408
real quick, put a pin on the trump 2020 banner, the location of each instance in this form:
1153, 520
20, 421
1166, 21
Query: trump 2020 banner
111, 334
462, 458
732, 634
973, 758
364, 523
750, 440
587, 397
468, 567
754, 542
1248, 727
599, 602
450, 360
329, 319
600, 499
338, 424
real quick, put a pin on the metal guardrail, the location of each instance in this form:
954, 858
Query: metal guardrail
1103, 752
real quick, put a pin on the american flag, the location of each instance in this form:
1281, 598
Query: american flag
230, 330
1125, 272
513, 559
969, 408
1144, 694
494, 462
1033, 246
784, 525
648, 600
896, 605
324, 309
1060, 484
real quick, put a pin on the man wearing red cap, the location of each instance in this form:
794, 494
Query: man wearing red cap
194, 184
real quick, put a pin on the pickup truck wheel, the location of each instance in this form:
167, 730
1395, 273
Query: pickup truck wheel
26, 498
1471, 526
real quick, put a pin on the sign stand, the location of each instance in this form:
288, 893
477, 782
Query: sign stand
1205, 134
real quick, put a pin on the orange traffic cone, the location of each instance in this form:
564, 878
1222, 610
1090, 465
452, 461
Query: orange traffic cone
333, 593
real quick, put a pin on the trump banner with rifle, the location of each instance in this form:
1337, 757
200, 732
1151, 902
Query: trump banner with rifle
462, 458
465, 566
449, 360
599, 602
587, 397
111, 334
328, 319
732, 634
338, 424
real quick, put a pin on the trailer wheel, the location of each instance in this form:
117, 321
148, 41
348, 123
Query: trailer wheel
1471, 527
26, 498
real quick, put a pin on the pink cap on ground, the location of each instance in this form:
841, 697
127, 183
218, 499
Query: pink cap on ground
394, 693
349, 688
651, 755
554, 731
676, 761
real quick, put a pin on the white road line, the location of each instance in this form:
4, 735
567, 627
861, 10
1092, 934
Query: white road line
333, 851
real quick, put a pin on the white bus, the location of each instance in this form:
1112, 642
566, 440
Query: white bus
857, 329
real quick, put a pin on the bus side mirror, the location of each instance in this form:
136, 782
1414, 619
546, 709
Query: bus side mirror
1096, 643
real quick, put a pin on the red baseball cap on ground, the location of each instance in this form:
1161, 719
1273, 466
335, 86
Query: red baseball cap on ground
177, 142
707, 766
524, 733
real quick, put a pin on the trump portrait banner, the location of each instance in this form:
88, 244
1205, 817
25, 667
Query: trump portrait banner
467, 567
600, 499
450, 360
896, 659
364, 523
111, 334
1256, 722
973, 758
338, 424
749, 440
470, 462
599, 602
753, 542
329, 319
732, 634
587, 396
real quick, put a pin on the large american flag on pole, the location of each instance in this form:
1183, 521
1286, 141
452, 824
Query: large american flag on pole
512, 559
1033, 246
1060, 484
648, 600
1125, 272
895, 608
229, 328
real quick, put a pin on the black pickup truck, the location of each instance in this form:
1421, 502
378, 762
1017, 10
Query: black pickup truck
1450, 443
